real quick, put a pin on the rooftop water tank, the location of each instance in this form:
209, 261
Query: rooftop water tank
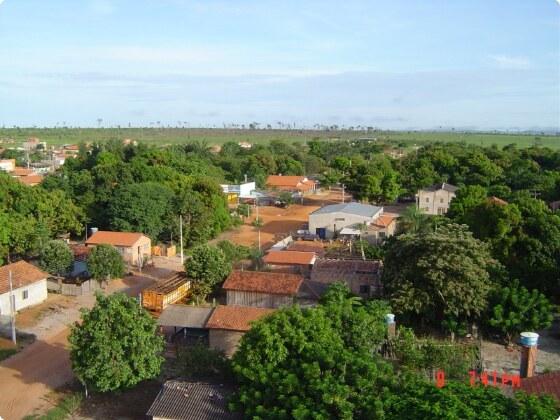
529, 339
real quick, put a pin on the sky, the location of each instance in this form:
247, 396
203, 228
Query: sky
400, 64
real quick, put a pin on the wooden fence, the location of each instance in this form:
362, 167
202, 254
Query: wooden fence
55, 285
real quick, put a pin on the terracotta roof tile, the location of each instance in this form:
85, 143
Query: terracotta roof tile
23, 274
19, 171
548, 383
316, 247
329, 271
30, 179
235, 318
294, 182
384, 220
290, 257
498, 201
262, 282
114, 238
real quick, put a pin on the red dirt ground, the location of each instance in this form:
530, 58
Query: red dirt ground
278, 222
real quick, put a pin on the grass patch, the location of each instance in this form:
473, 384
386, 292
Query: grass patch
5, 353
65, 408
162, 136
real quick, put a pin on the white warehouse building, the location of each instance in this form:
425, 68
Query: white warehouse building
328, 220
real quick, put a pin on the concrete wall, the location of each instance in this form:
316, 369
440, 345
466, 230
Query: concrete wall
259, 300
36, 293
434, 202
378, 235
131, 254
330, 222
225, 340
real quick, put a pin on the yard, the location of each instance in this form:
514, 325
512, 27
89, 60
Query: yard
279, 222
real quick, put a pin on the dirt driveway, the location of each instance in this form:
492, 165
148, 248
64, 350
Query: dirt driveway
278, 221
27, 377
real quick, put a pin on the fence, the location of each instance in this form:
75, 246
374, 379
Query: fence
73, 289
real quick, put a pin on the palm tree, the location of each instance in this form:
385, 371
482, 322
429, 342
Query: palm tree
413, 220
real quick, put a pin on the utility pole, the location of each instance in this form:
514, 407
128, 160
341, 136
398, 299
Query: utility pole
343, 186
258, 221
181, 236
12, 309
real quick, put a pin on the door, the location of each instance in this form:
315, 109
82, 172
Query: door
321, 232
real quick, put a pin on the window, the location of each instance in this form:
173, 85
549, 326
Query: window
427, 199
339, 219
364, 289
25, 294
381, 234
426, 209
441, 200
441, 210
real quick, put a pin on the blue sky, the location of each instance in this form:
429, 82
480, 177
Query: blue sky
391, 64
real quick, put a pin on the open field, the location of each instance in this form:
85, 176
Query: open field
163, 136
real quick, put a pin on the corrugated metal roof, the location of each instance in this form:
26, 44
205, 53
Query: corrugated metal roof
192, 401
185, 316
358, 209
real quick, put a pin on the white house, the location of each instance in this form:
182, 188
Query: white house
8, 165
328, 220
236, 192
436, 199
29, 286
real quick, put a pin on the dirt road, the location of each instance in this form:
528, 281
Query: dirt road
27, 377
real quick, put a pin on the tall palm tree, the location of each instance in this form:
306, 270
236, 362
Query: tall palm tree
413, 220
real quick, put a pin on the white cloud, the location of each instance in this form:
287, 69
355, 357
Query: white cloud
510, 62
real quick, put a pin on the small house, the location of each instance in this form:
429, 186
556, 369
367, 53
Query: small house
180, 400
299, 184
381, 228
29, 286
228, 324
363, 278
435, 200
165, 292
262, 289
134, 247
330, 220
236, 192
7, 165
290, 261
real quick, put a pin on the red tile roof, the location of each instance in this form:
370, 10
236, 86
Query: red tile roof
548, 383
316, 247
289, 182
261, 282
19, 171
498, 201
114, 238
235, 318
290, 257
384, 220
23, 274
30, 179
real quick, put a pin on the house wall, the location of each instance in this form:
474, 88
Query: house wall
434, 202
378, 235
328, 221
141, 247
37, 293
224, 340
259, 300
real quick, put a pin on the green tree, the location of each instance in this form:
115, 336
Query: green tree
413, 220
514, 309
438, 274
116, 345
143, 207
56, 257
295, 364
207, 267
104, 263
417, 399
233, 252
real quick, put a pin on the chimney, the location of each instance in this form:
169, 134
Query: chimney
391, 325
529, 342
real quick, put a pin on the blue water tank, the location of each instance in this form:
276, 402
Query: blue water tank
529, 339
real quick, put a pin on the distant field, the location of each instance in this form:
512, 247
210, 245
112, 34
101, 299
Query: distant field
163, 136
